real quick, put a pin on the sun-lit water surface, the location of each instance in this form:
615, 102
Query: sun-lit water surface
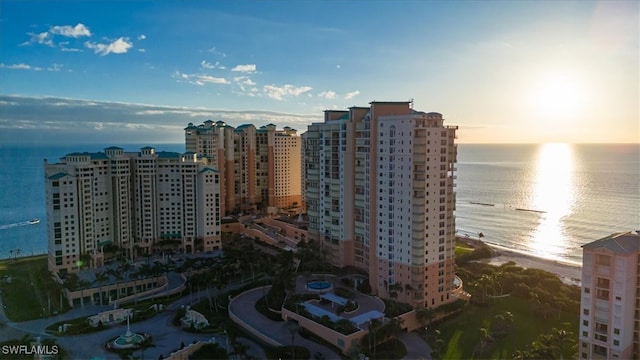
553, 198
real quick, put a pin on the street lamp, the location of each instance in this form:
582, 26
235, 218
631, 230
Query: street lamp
293, 327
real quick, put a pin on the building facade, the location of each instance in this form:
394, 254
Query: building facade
379, 184
139, 202
610, 303
260, 167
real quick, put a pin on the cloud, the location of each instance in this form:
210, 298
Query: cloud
120, 46
245, 68
208, 65
64, 121
327, 95
142, 37
199, 79
16, 66
213, 50
142, 50
55, 67
244, 80
278, 93
71, 31
351, 95
63, 47
211, 79
39, 38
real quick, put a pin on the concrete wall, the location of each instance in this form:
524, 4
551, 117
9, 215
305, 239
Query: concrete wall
343, 342
160, 281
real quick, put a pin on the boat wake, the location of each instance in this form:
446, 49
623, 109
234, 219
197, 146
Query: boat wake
18, 224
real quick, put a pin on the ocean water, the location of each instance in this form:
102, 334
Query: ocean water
546, 200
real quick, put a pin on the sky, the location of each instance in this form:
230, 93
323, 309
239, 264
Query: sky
140, 71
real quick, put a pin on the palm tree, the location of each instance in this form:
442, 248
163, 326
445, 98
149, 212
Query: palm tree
561, 336
118, 277
101, 278
425, 316
394, 289
293, 328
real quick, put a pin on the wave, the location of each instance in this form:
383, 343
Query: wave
18, 224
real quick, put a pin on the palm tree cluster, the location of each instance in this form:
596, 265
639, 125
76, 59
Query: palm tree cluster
543, 289
547, 346
380, 331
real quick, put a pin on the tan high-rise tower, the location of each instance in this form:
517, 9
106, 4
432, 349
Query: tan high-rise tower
379, 196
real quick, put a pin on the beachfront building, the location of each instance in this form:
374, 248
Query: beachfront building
379, 193
610, 304
136, 202
260, 167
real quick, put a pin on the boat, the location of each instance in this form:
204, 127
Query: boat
34, 221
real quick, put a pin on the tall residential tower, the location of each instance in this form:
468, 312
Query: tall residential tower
260, 167
379, 196
610, 302
139, 202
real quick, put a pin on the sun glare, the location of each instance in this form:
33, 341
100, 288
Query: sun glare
553, 196
559, 96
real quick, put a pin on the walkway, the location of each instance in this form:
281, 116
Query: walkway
417, 347
243, 307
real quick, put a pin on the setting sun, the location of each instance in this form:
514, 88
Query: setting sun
559, 96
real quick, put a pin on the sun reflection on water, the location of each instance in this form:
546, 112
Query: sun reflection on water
553, 196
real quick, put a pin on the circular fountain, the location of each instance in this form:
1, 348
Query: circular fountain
128, 340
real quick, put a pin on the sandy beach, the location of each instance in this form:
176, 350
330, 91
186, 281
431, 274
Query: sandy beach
567, 272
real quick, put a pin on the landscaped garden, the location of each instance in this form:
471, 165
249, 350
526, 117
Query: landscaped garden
514, 313
28, 290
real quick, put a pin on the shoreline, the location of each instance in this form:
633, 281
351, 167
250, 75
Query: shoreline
569, 273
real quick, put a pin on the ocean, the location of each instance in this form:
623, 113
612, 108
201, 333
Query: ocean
545, 200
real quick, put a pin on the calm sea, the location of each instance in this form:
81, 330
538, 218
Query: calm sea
545, 200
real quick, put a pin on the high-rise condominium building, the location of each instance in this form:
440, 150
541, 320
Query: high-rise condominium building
260, 168
379, 196
138, 201
610, 304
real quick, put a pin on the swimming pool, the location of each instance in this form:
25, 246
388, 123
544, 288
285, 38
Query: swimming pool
319, 285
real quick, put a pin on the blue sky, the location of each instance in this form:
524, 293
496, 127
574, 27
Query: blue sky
505, 72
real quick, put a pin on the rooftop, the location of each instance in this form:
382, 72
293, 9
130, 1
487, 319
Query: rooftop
619, 243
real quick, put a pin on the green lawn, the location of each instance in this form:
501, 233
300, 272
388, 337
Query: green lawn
463, 250
31, 289
462, 333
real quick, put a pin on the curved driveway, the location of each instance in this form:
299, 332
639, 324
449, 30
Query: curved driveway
243, 307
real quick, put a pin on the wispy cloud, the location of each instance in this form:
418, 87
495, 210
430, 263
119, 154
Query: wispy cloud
142, 37
244, 80
351, 95
211, 79
16, 66
63, 45
327, 95
215, 51
65, 119
22, 66
207, 65
120, 46
39, 38
71, 31
278, 92
199, 79
248, 68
